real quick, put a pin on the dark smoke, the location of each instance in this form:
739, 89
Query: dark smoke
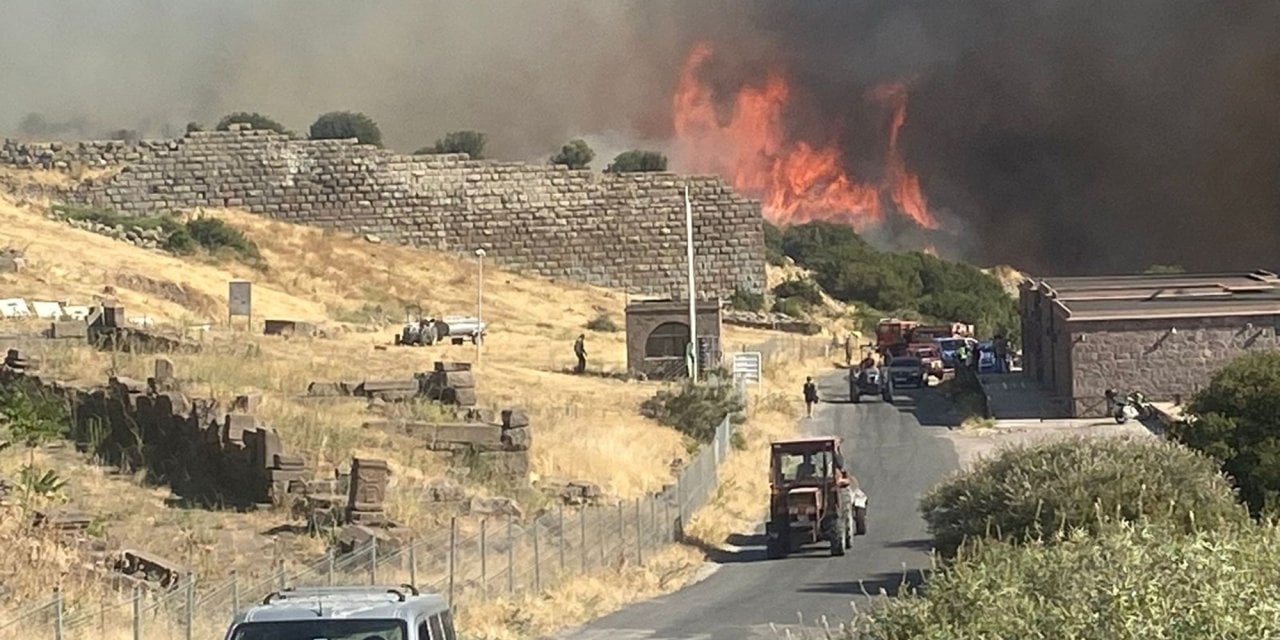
1061, 136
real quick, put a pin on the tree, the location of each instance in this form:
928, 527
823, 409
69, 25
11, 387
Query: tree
1033, 492
193, 127
469, 142
255, 120
1237, 422
637, 160
575, 155
346, 124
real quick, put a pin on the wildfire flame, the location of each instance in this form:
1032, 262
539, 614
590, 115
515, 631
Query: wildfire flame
795, 181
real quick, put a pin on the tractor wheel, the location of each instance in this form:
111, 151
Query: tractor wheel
859, 521
855, 397
838, 540
397, 340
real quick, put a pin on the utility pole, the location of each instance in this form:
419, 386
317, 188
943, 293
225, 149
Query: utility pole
693, 297
479, 303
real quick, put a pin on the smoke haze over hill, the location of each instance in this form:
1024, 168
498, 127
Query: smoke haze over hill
1064, 137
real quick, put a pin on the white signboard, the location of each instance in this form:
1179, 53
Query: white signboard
748, 367
14, 308
240, 298
47, 309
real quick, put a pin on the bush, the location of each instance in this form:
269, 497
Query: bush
744, 300
346, 124
637, 160
215, 235
255, 120
696, 409
790, 307
193, 127
1237, 422
773, 245
1132, 581
849, 269
602, 323
1027, 492
469, 142
803, 290
575, 155
31, 416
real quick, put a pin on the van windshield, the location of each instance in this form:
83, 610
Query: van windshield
325, 629
949, 345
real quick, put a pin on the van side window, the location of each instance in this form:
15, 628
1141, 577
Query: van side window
437, 628
424, 633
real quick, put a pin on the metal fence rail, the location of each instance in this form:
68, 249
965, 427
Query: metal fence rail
504, 557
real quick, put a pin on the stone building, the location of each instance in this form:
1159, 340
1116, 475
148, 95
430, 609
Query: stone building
658, 335
1163, 335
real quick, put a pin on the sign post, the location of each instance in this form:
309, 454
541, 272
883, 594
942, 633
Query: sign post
240, 302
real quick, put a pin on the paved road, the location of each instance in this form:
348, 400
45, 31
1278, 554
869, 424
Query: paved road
896, 460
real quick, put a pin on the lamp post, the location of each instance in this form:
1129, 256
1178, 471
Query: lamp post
693, 298
479, 302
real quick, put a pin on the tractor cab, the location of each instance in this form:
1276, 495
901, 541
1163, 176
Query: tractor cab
813, 497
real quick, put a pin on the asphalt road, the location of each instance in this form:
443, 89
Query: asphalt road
895, 459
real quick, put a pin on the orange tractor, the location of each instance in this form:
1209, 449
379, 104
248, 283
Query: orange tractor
813, 497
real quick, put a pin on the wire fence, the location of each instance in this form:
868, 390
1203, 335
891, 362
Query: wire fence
468, 562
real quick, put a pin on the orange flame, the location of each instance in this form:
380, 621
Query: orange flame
796, 182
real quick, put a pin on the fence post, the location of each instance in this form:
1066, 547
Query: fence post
280, 576
622, 535
57, 613
191, 605
413, 561
680, 502
373, 561
581, 530
639, 537
537, 560
137, 613
511, 554
600, 524
453, 554
562, 540
330, 558
668, 528
235, 592
484, 558
653, 522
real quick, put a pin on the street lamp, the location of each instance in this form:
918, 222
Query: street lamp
479, 302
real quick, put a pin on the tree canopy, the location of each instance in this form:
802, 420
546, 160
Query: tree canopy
255, 120
575, 154
469, 142
346, 124
637, 160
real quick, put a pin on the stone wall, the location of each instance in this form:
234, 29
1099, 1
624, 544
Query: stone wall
206, 455
1145, 355
624, 231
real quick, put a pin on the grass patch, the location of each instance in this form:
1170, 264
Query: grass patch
178, 236
696, 409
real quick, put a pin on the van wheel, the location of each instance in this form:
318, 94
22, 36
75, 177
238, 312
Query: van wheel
838, 541
859, 521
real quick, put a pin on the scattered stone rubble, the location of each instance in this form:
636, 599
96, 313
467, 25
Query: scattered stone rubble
451, 383
12, 260
769, 320
146, 238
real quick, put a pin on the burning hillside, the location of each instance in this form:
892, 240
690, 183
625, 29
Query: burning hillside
796, 180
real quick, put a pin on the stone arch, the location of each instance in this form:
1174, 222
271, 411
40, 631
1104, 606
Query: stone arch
667, 340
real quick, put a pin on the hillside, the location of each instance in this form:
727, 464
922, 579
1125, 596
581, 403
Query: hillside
584, 427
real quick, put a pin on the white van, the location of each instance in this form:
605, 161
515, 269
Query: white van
346, 613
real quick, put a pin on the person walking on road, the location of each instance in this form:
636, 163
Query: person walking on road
848, 349
810, 397
580, 350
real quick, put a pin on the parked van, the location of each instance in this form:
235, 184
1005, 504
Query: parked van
346, 613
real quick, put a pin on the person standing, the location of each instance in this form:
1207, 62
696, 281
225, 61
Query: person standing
810, 396
580, 350
848, 349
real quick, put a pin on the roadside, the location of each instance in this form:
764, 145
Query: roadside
738, 503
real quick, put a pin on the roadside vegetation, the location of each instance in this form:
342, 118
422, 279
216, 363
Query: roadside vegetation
696, 409
183, 237
911, 285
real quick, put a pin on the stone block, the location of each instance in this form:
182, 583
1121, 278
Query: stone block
459, 397
235, 426
370, 387
247, 403
68, 329
327, 389
496, 506
289, 328
514, 418
163, 374
517, 439
369, 478
445, 367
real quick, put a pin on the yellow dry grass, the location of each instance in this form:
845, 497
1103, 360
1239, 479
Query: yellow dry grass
586, 427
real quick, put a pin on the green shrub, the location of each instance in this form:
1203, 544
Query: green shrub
346, 124
744, 300
1237, 422
32, 416
471, 143
696, 409
215, 235
773, 245
180, 242
575, 155
636, 161
790, 306
849, 269
1027, 492
1130, 582
255, 120
806, 291
602, 323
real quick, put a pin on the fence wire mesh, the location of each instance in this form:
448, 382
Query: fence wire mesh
504, 557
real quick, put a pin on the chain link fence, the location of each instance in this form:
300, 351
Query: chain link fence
467, 563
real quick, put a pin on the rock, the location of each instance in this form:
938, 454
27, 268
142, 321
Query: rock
369, 237
444, 490
496, 506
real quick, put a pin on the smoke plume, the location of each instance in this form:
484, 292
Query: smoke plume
1059, 136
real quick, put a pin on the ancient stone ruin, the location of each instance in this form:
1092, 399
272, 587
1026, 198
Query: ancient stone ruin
616, 230
451, 383
205, 455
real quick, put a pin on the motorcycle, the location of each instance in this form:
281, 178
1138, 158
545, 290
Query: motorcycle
1132, 406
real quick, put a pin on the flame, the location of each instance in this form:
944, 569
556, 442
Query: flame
795, 181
